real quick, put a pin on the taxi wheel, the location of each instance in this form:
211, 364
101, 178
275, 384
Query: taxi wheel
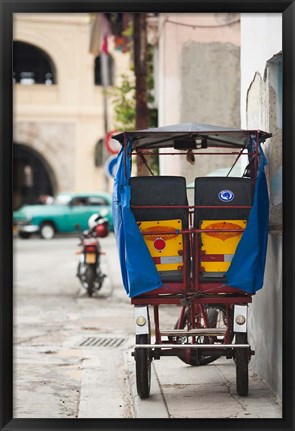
143, 359
242, 360
216, 314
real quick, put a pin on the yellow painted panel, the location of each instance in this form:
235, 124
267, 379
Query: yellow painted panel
164, 242
220, 245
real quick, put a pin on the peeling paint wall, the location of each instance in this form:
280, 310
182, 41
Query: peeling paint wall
210, 84
199, 72
263, 110
209, 94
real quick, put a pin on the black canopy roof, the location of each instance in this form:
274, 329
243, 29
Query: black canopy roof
190, 135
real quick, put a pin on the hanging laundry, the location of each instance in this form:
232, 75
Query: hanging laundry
100, 31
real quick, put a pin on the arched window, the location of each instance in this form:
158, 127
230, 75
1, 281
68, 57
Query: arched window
32, 65
98, 70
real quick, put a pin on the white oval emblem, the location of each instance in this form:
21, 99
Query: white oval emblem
226, 195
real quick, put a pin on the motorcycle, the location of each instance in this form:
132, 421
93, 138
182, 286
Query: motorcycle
88, 270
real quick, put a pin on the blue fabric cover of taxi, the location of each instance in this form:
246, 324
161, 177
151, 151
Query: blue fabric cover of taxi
138, 269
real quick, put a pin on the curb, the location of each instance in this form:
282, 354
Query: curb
152, 407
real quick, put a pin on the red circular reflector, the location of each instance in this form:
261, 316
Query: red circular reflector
159, 244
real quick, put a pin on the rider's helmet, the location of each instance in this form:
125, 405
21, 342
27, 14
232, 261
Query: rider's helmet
92, 221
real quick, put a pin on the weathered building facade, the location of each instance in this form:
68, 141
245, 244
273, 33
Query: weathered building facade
199, 78
59, 106
261, 107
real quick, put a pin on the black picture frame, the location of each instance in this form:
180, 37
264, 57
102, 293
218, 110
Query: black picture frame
7, 9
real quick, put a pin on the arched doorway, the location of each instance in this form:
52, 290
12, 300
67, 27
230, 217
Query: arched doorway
32, 176
32, 65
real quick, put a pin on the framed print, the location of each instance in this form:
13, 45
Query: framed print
85, 270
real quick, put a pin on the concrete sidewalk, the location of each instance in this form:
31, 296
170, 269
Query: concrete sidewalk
182, 391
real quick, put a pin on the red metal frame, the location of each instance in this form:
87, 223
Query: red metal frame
192, 291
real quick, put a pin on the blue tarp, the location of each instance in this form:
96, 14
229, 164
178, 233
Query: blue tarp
246, 271
138, 270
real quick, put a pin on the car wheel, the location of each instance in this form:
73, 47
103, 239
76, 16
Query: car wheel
47, 231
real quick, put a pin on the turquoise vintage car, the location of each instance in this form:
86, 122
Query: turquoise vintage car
63, 215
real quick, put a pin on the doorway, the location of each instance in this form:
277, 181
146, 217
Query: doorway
32, 176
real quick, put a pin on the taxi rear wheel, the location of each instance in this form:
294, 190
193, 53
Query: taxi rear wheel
217, 318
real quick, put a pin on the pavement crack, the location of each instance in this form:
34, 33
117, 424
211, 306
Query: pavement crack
228, 384
224, 378
29, 339
161, 390
35, 337
80, 366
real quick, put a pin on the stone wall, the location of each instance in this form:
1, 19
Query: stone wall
264, 110
199, 60
55, 142
210, 94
